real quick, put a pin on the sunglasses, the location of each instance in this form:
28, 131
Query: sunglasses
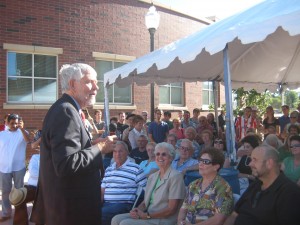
163, 154
218, 142
295, 146
205, 161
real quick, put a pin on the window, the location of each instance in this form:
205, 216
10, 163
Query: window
31, 78
116, 95
171, 94
207, 93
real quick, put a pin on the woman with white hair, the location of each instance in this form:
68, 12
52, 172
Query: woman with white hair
164, 193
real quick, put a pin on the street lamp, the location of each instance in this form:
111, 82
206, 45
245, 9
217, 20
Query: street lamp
152, 22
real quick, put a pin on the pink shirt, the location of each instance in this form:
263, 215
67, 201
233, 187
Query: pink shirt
179, 133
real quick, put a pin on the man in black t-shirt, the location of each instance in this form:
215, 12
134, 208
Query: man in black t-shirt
272, 198
140, 154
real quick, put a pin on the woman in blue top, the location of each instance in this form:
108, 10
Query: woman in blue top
149, 166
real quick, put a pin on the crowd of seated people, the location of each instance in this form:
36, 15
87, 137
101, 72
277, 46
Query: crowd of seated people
136, 154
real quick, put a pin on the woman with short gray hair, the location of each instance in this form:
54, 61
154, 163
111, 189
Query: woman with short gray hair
164, 193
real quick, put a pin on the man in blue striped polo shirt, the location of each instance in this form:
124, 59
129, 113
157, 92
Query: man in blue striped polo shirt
120, 184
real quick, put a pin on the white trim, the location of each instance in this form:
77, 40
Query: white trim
25, 106
112, 57
32, 49
170, 107
116, 107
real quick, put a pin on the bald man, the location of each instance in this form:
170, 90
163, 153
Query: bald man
272, 198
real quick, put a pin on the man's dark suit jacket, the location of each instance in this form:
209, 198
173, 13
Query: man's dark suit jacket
69, 180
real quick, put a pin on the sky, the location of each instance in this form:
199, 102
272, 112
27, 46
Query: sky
204, 8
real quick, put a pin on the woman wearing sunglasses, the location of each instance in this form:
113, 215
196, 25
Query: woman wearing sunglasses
209, 198
291, 165
164, 193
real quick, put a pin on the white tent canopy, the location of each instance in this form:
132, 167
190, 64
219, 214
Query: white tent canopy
263, 47
258, 48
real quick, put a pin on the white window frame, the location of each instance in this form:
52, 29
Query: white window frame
32, 50
169, 86
114, 58
210, 94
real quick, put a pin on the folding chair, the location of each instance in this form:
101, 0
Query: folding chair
138, 194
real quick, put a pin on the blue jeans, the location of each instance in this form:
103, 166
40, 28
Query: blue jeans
109, 210
6, 181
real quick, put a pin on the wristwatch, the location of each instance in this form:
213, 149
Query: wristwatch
148, 215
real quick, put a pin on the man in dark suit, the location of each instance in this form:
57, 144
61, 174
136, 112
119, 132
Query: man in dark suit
69, 184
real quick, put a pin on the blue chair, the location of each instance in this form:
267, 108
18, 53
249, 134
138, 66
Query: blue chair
229, 174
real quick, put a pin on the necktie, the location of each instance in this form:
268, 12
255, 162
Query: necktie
82, 117
83, 121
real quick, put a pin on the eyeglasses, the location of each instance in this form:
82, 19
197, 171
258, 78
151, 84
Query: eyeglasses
295, 146
256, 198
186, 149
163, 154
293, 117
205, 161
218, 142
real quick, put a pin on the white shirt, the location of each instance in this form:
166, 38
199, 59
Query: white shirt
134, 135
33, 169
12, 151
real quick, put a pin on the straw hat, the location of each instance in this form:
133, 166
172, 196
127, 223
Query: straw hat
17, 196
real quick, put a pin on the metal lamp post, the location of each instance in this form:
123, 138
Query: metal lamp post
152, 22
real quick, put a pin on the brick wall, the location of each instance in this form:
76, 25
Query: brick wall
81, 27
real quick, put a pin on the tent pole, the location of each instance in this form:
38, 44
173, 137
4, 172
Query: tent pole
216, 98
230, 133
106, 111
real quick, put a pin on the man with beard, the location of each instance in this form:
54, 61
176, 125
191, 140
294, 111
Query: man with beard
68, 190
272, 198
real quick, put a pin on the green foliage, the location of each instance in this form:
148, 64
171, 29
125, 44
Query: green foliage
211, 107
276, 102
291, 99
252, 98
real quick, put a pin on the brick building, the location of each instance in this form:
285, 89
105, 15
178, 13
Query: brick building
37, 37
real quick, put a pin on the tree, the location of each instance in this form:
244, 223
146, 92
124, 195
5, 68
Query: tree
276, 101
252, 98
291, 99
